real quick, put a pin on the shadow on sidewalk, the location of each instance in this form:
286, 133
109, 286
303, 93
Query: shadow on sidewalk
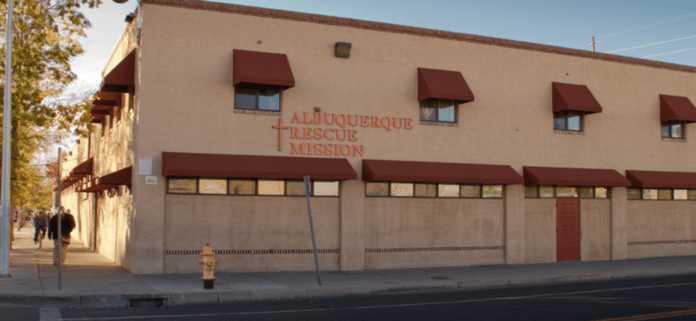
25, 252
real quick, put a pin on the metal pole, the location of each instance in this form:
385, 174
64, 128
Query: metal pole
308, 193
6, 141
59, 219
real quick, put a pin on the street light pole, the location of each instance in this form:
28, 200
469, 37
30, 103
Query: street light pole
6, 141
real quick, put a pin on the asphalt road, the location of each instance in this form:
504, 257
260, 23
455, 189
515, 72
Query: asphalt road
664, 298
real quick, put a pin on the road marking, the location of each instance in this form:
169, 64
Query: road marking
655, 316
386, 306
49, 314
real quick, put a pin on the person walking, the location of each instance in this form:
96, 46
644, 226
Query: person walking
40, 226
67, 224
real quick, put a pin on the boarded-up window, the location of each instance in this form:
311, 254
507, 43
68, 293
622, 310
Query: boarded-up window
601, 192
546, 192
212, 186
182, 186
492, 191
294, 188
635, 194
401, 189
326, 188
681, 194
664, 194
566, 192
531, 191
470, 191
426, 190
377, 189
242, 187
586, 192
447, 190
649, 194
271, 187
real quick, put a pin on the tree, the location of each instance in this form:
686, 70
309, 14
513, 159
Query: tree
47, 36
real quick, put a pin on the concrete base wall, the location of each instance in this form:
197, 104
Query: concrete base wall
405, 233
540, 230
114, 225
595, 229
250, 233
661, 228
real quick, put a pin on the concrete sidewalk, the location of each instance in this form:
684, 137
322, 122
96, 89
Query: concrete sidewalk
90, 280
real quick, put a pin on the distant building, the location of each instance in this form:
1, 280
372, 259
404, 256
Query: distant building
425, 147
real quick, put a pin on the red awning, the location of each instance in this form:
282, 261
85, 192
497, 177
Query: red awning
557, 176
578, 98
118, 178
655, 179
121, 78
433, 172
247, 166
677, 109
83, 169
443, 84
261, 69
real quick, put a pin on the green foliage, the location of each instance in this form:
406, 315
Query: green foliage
46, 38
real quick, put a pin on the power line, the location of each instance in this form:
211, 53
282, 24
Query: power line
667, 53
676, 19
652, 44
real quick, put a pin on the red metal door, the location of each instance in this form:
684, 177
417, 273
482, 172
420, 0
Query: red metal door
568, 229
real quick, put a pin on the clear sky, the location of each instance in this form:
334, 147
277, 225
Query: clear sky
661, 30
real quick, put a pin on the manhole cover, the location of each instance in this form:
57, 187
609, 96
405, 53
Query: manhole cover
439, 277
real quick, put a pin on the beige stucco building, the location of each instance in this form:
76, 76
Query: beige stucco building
424, 147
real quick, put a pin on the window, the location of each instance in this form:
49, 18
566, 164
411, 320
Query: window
546, 192
692, 194
649, 194
635, 194
681, 194
492, 191
326, 188
401, 189
265, 99
271, 187
441, 111
601, 192
470, 191
212, 186
664, 194
447, 190
568, 121
182, 186
294, 188
531, 191
377, 189
673, 130
566, 192
586, 192
242, 187
425, 190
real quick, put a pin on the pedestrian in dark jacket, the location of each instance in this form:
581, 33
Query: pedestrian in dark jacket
40, 226
67, 224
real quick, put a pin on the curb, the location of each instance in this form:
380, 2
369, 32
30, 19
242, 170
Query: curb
175, 299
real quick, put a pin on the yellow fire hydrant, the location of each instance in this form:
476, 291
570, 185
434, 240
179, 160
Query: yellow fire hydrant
208, 263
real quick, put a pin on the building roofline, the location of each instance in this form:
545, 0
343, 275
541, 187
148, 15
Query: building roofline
396, 28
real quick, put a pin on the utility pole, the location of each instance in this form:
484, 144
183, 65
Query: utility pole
594, 44
59, 220
6, 141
